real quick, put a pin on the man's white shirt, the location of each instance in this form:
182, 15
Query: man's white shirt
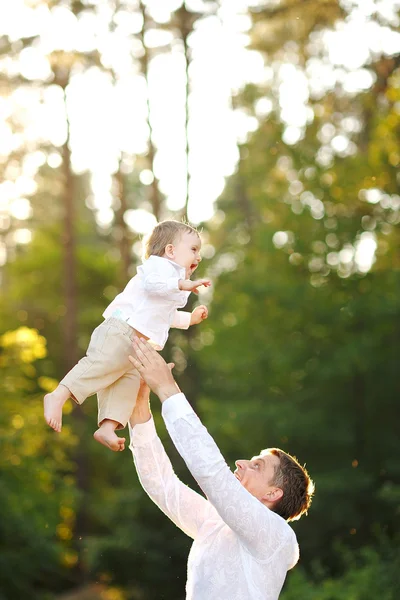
150, 301
241, 550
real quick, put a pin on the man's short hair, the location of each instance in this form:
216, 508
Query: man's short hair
164, 233
296, 484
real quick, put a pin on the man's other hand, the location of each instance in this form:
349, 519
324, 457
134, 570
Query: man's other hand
153, 369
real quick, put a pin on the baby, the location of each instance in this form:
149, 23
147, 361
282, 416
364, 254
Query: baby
147, 308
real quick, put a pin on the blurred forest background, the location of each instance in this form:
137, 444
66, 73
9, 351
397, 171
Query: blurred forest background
301, 348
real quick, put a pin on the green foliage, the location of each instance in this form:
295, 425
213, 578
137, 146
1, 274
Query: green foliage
35, 289
36, 493
369, 574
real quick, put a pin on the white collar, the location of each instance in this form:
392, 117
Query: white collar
179, 267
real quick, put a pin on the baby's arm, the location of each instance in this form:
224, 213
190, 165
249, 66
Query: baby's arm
183, 319
192, 286
161, 280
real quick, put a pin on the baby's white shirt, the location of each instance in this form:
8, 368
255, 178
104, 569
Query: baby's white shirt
150, 301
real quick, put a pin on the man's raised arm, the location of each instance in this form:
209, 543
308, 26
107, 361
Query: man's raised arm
261, 530
186, 508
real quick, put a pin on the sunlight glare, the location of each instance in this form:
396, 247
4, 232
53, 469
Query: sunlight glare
6, 139
32, 162
54, 160
22, 236
104, 216
62, 33
140, 221
21, 209
3, 254
146, 177
280, 239
221, 63
373, 195
365, 251
7, 192
25, 185
346, 254
33, 65
356, 81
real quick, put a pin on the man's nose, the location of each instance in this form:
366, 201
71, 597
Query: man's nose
240, 464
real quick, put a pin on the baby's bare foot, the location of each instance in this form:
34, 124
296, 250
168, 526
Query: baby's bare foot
53, 405
109, 438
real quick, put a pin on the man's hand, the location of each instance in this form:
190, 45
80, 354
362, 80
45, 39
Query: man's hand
192, 286
198, 315
153, 369
142, 413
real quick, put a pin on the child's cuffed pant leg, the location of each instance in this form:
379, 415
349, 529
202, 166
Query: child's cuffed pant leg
105, 362
74, 380
117, 401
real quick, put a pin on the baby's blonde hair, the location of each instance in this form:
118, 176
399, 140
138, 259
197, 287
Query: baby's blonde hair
164, 233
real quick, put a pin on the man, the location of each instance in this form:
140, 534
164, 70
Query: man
243, 546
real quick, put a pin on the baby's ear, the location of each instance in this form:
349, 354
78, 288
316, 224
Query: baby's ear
169, 250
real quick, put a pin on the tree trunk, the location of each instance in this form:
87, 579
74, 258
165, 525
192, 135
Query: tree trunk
185, 28
122, 229
155, 194
70, 321
70, 326
184, 22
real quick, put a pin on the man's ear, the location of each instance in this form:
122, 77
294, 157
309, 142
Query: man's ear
273, 495
169, 251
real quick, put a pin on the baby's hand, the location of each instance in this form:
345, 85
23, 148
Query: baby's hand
192, 286
198, 315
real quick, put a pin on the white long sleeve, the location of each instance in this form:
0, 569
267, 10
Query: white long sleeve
160, 283
262, 531
181, 319
186, 508
242, 550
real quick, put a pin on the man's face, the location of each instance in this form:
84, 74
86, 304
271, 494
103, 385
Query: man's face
257, 475
186, 252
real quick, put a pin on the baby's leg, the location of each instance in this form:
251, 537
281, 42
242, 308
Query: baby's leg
53, 405
105, 361
116, 404
106, 435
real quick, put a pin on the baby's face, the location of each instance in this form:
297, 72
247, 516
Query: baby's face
186, 252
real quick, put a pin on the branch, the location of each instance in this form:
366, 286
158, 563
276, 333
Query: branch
272, 13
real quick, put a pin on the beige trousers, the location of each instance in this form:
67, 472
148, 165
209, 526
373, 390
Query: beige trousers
106, 370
